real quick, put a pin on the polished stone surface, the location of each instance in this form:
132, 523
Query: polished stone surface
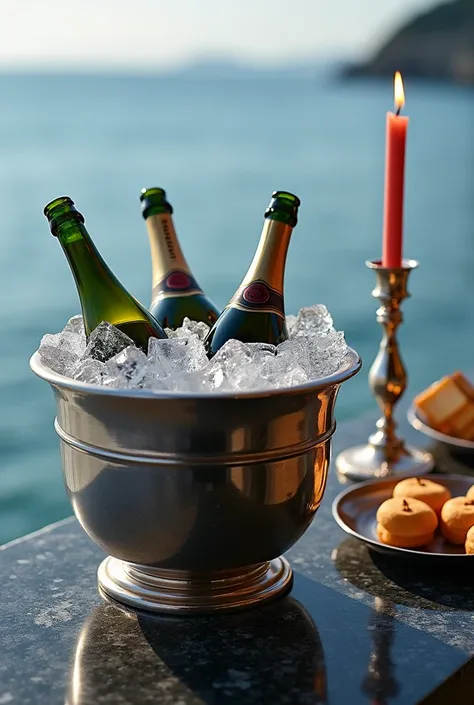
358, 628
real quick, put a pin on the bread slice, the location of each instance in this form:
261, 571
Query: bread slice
440, 401
467, 433
448, 406
464, 384
462, 421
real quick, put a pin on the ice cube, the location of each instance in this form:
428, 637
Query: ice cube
284, 370
62, 351
232, 355
248, 376
241, 363
237, 362
189, 328
89, 371
153, 383
171, 333
293, 377
327, 353
178, 355
196, 354
106, 341
75, 325
208, 379
261, 351
290, 323
296, 351
311, 321
318, 355
127, 368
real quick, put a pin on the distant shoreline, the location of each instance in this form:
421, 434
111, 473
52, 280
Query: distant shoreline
435, 45
207, 69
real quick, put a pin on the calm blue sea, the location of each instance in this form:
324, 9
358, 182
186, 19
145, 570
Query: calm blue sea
220, 144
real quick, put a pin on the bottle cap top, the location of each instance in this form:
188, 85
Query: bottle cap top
60, 210
284, 207
57, 203
154, 201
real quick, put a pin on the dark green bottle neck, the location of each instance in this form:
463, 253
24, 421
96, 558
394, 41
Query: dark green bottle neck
154, 202
94, 278
157, 210
283, 207
281, 217
77, 244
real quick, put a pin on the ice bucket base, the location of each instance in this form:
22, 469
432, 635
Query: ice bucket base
183, 592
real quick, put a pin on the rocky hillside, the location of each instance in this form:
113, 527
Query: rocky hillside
438, 44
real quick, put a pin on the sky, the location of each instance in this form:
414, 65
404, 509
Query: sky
153, 34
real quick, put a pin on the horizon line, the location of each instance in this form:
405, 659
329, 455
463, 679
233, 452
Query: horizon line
197, 63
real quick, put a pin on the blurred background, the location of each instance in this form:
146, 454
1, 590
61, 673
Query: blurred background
221, 105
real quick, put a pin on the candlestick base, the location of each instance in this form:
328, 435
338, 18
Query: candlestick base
369, 461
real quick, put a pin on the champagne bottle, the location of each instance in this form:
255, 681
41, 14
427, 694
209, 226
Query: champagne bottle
102, 296
175, 292
256, 312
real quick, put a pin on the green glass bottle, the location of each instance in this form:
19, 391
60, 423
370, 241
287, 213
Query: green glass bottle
102, 296
256, 312
175, 292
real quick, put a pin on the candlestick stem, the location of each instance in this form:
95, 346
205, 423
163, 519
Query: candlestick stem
386, 453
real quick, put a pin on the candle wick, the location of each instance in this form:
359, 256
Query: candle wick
399, 109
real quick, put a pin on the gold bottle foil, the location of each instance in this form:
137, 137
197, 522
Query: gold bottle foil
262, 287
171, 275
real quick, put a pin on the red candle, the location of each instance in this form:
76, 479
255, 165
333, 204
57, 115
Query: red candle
394, 180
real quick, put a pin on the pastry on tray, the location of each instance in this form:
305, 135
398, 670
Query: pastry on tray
406, 523
432, 493
457, 517
448, 406
470, 541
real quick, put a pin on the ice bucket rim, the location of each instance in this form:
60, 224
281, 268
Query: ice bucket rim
350, 368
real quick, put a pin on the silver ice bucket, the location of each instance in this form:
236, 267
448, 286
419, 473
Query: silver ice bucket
195, 497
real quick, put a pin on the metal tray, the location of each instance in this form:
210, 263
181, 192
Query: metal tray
355, 511
458, 443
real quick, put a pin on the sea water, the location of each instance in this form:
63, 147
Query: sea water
220, 144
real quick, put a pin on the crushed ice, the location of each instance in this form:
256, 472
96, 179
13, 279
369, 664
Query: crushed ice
314, 350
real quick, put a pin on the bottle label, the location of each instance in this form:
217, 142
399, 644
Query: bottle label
260, 297
177, 282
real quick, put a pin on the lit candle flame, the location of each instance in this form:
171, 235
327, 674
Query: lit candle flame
399, 91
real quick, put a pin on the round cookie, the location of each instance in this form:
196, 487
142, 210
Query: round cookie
406, 523
470, 541
457, 517
432, 493
470, 493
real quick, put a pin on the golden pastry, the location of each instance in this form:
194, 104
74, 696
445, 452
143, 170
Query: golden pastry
432, 493
448, 406
470, 541
406, 523
464, 384
457, 517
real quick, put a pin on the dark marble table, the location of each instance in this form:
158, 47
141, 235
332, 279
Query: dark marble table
357, 628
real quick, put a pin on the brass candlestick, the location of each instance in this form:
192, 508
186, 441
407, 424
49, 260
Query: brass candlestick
386, 453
